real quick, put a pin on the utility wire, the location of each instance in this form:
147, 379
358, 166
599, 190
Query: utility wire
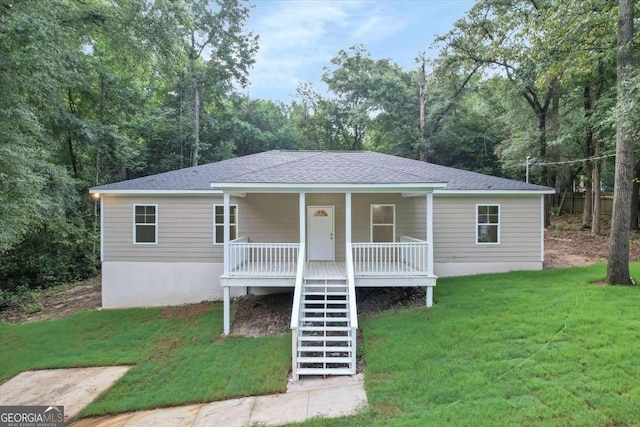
566, 162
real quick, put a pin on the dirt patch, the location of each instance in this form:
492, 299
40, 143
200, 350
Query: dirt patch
568, 244
374, 300
60, 302
185, 312
262, 315
271, 314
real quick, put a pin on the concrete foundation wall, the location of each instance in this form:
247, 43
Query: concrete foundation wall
149, 284
445, 269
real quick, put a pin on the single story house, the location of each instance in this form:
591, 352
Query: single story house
318, 222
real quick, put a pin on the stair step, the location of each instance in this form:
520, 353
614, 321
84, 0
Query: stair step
324, 319
327, 293
327, 285
312, 338
324, 359
325, 310
324, 328
317, 349
325, 371
315, 290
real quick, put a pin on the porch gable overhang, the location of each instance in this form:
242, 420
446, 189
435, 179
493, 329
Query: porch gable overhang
228, 187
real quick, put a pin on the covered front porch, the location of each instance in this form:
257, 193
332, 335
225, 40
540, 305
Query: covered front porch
344, 240
333, 232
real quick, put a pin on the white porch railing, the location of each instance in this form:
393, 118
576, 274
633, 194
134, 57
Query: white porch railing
262, 259
408, 257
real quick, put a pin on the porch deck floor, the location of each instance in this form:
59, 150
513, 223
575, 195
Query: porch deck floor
326, 270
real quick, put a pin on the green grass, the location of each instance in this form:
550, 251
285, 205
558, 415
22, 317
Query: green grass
527, 348
177, 359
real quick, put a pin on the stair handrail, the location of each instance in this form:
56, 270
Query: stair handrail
295, 310
297, 292
351, 283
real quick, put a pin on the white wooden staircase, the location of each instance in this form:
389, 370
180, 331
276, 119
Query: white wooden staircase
324, 323
326, 340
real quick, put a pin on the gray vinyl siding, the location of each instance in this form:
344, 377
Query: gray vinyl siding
269, 218
185, 225
454, 221
185, 229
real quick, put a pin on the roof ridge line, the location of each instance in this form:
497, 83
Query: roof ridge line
382, 166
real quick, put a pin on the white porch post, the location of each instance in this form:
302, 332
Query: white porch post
347, 218
303, 223
429, 201
226, 236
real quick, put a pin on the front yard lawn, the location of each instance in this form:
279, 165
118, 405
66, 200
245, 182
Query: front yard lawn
527, 348
178, 354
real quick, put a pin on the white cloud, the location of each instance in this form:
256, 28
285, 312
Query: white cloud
298, 35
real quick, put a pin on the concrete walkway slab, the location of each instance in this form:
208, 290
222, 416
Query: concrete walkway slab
336, 401
307, 398
279, 409
72, 388
179, 416
229, 413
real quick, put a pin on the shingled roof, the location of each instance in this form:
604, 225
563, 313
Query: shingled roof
318, 167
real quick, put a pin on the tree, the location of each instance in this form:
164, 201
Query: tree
618, 262
495, 34
218, 50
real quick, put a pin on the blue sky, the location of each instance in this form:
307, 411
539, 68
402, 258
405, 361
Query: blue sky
299, 37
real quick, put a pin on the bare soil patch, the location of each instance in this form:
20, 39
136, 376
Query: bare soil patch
185, 312
61, 301
271, 314
568, 244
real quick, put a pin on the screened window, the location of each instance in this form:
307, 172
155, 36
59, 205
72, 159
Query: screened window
145, 224
488, 224
218, 223
383, 223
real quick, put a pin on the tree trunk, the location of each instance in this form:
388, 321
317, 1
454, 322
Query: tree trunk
196, 102
422, 151
542, 144
618, 262
597, 199
196, 122
597, 196
635, 199
587, 211
72, 154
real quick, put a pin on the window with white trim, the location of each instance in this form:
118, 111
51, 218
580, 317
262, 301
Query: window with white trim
145, 224
487, 224
218, 223
383, 223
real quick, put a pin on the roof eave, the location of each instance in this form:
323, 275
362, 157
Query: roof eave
494, 192
98, 190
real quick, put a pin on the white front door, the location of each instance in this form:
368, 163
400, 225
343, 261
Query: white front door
321, 233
